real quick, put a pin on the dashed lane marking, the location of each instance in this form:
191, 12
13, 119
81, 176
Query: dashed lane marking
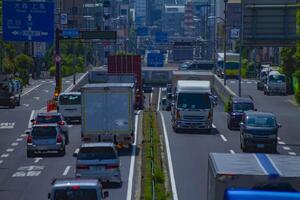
66, 170
23, 135
37, 98
46, 91
70, 126
30, 90
223, 138
36, 160
281, 142
30, 118
26, 105
231, 151
278, 138
214, 126
292, 153
19, 139
7, 125
287, 148
1, 161
14, 144
5, 155
10, 150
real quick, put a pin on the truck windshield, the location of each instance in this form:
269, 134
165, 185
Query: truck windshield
277, 78
241, 107
96, 153
194, 101
260, 121
75, 194
69, 99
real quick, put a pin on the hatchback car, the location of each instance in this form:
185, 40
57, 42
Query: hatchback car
165, 104
98, 160
236, 107
45, 138
50, 118
259, 130
75, 189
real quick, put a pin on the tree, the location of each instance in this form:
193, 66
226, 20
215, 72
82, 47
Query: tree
24, 65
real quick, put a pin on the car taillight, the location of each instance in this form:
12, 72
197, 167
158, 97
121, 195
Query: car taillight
75, 187
61, 123
59, 139
177, 114
82, 167
112, 166
29, 139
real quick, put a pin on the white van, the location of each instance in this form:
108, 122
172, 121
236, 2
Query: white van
69, 105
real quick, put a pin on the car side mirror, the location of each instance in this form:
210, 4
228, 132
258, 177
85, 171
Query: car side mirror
49, 195
105, 194
279, 125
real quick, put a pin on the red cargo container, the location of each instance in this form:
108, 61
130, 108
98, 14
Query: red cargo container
129, 64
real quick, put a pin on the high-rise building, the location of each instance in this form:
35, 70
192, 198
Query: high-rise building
140, 7
188, 23
172, 20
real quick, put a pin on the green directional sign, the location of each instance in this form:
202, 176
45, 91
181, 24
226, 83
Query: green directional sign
103, 35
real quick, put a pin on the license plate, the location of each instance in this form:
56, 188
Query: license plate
260, 145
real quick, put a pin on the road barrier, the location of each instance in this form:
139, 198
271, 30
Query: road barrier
223, 91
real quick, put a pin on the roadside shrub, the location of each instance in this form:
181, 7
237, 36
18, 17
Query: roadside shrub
297, 96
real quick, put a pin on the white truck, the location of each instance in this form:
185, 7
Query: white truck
253, 176
108, 113
192, 106
275, 83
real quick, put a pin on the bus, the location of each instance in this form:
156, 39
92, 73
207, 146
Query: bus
232, 65
69, 105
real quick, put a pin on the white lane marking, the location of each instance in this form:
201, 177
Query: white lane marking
292, 153
19, 139
171, 170
76, 151
5, 155
1, 161
214, 126
43, 109
26, 105
132, 160
37, 98
67, 81
23, 135
14, 144
278, 138
43, 81
30, 90
66, 170
30, 118
36, 160
7, 125
287, 148
158, 101
223, 138
232, 82
70, 126
46, 91
72, 86
231, 151
10, 150
281, 142
249, 82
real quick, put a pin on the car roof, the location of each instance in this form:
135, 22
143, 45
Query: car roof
97, 144
49, 114
45, 125
242, 100
75, 182
256, 113
70, 93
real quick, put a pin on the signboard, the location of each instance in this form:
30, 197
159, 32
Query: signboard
39, 49
70, 33
104, 35
161, 37
64, 18
269, 22
28, 21
155, 60
235, 33
142, 31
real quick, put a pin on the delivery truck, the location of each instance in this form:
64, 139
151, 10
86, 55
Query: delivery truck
252, 176
108, 113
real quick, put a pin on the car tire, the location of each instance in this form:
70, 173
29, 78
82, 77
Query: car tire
30, 154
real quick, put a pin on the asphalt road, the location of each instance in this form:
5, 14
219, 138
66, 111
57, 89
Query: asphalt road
30, 178
188, 158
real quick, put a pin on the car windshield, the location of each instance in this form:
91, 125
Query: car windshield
277, 78
96, 153
49, 131
50, 119
260, 121
241, 107
75, 194
70, 99
194, 101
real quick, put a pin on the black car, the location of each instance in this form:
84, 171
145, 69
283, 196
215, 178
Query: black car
259, 130
236, 108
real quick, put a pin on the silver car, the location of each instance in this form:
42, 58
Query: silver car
45, 138
98, 160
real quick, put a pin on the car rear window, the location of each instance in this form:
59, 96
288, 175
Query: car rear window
48, 119
260, 121
241, 107
75, 194
70, 99
49, 131
94, 153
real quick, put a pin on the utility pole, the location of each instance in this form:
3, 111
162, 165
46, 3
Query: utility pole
225, 40
241, 50
57, 64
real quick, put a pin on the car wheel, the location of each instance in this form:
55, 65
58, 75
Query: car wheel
30, 154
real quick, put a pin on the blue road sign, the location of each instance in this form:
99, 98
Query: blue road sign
155, 60
142, 31
70, 33
28, 21
161, 37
